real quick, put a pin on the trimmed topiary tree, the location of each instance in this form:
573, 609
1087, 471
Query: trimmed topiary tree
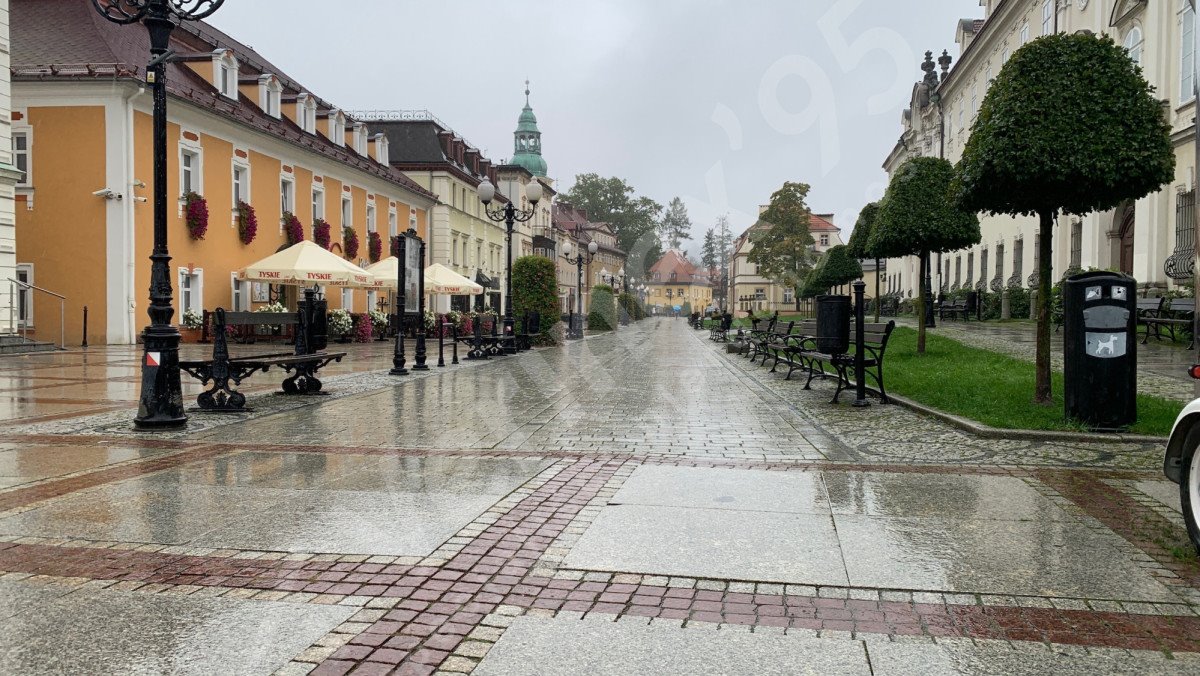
860, 246
535, 289
1069, 126
837, 267
917, 217
602, 313
811, 286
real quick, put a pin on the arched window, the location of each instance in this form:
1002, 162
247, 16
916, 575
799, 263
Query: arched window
1133, 42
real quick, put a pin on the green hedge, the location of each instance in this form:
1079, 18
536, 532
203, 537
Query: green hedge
602, 315
535, 289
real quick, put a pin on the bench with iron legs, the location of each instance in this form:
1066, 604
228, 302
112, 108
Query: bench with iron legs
772, 338
530, 328
1169, 314
957, 308
719, 331
226, 373
760, 331
486, 345
788, 348
875, 341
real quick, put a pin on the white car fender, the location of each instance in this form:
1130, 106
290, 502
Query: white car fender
1187, 418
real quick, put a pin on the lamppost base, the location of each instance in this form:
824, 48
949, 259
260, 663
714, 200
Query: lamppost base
861, 403
398, 372
160, 406
421, 367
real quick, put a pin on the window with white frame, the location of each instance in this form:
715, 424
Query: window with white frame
974, 100
1024, 32
241, 183
347, 212
24, 295
1048, 16
318, 204
370, 218
225, 73
191, 291
287, 195
479, 255
988, 77
1187, 58
270, 95
372, 300
239, 296
1004, 56
392, 223
454, 251
1133, 43
348, 300
191, 172
22, 155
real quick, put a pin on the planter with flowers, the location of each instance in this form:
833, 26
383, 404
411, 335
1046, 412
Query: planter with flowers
196, 214
340, 325
321, 233
292, 229
349, 242
247, 223
190, 325
374, 246
380, 322
362, 328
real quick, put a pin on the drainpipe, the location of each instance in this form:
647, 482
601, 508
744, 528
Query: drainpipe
130, 213
1195, 183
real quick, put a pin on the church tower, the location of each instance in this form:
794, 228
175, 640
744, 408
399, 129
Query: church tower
527, 141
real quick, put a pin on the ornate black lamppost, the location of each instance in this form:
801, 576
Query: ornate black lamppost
420, 361
401, 253
161, 402
579, 260
510, 216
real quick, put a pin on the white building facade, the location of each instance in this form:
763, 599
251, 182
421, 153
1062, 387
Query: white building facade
1151, 238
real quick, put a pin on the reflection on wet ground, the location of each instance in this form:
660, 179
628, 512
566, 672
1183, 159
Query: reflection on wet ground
644, 477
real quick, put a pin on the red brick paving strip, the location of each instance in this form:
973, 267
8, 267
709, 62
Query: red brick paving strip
1125, 516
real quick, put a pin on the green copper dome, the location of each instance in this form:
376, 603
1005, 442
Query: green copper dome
527, 141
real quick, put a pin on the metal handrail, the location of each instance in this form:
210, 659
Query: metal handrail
62, 310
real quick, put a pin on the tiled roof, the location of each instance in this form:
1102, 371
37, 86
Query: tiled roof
68, 39
674, 261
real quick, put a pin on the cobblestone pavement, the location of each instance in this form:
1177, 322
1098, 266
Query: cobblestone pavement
629, 504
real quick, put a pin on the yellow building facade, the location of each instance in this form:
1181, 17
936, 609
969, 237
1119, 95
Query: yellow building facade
674, 280
84, 217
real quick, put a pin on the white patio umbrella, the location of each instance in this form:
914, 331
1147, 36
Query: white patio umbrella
307, 263
439, 279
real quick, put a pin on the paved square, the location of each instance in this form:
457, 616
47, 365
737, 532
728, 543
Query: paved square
726, 489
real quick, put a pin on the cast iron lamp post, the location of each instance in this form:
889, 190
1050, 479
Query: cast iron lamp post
579, 260
509, 215
161, 402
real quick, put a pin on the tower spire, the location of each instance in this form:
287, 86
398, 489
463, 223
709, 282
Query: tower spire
526, 92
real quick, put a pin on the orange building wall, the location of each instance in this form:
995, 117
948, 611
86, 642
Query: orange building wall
65, 238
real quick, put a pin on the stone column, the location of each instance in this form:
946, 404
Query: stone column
1005, 306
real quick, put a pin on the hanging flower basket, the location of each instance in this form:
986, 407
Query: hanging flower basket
396, 245
196, 212
247, 223
374, 246
349, 242
321, 233
292, 229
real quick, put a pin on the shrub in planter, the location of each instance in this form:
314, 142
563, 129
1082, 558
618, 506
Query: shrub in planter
292, 229
1018, 302
362, 328
535, 289
321, 233
380, 321
247, 223
602, 315
196, 215
191, 320
349, 242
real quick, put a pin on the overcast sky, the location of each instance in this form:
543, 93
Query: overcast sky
716, 101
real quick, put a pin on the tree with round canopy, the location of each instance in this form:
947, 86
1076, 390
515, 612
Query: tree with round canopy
917, 217
859, 243
1069, 126
838, 267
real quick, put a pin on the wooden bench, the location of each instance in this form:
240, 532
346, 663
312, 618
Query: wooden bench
790, 347
484, 345
762, 346
226, 373
530, 328
875, 340
759, 330
1174, 314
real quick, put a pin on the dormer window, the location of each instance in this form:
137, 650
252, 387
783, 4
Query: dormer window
381, 148
337, 127
225, 73
306, 112
359, 135
270, 94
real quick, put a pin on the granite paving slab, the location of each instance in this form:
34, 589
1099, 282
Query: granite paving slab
545, 646
105, 632
16, 597
1166, 492
965, 657
947, 496
989, 556
733, 489
713, 543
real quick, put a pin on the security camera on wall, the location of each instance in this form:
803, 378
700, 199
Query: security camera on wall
108, 193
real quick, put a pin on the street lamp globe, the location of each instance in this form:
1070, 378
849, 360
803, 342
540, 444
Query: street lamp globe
533, 191
593, 247
567, 249
487, 192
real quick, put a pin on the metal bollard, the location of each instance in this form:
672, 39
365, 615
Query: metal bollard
442, 346
454, 343
860, 375
85, 313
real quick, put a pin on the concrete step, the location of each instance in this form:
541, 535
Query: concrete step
13, 344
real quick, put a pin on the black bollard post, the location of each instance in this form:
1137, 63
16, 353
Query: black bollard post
442, 345
84, 326
454, 344
860, 376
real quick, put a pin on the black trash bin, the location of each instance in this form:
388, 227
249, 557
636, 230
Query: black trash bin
1100, 349
833, 324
